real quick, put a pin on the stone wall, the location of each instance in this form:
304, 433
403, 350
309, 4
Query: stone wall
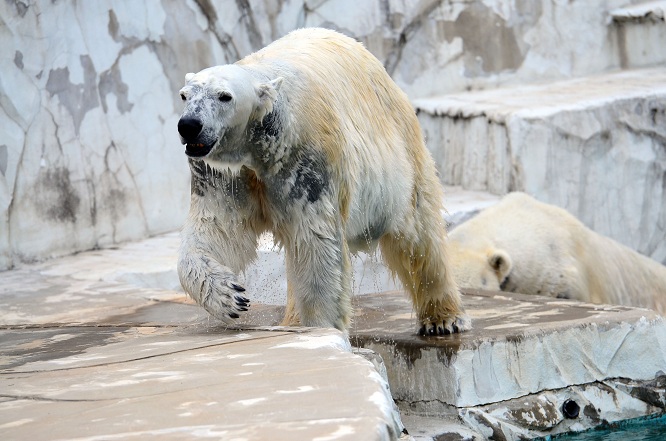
88, 93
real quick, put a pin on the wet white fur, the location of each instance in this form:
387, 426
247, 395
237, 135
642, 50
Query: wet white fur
337, 98
548, 251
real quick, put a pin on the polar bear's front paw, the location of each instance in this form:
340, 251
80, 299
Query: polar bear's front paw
447, 325
221, 297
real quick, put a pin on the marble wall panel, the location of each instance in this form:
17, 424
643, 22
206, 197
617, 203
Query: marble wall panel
88, 90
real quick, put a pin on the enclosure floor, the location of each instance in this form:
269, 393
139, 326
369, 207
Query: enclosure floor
87, 351
103, 344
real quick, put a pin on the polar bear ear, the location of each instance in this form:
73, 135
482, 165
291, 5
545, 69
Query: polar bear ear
267, 94
189, 76
501, 263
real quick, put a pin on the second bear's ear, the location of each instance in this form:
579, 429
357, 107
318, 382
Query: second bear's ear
267, 94
501, 263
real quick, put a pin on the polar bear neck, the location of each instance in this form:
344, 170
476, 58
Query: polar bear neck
221, 166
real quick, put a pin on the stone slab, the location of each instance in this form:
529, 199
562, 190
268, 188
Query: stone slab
519, 345
92, 383
94, 346
593, 145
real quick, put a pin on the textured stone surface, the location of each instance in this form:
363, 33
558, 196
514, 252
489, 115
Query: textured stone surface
87, 354
171, 383
519, 345
102, 334
510, 375
88, 96
594, 146
639, 31
593, 404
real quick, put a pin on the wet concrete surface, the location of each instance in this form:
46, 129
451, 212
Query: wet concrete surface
519, 344
88, 353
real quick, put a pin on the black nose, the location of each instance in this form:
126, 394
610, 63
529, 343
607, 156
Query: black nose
189, 128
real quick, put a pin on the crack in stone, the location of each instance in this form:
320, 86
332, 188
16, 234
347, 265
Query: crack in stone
394, 58
225, 40
147, 357
601, 384
53, 400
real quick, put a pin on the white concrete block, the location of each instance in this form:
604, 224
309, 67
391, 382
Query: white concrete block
594, 146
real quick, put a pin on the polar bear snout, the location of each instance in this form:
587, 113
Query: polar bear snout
190, 131
189, 128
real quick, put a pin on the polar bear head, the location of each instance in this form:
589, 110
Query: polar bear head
220, 102
486, 269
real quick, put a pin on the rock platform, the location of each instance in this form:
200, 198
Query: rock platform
592, 145
88, 351
511, 375
102, 345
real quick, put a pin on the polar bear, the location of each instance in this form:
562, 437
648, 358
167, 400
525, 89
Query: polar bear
310, 139
523, 245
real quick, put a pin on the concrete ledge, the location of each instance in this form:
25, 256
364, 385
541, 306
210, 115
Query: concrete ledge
593, 146
86, 355
78, 343
647, 11
519, 345
524, 358
172, 383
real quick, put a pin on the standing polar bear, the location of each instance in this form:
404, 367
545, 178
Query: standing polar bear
310, 139
523, 245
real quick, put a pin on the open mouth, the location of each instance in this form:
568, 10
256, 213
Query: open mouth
198, 150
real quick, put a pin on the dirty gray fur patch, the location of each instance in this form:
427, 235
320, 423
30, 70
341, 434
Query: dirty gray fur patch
374, 231
311, 177
206, 181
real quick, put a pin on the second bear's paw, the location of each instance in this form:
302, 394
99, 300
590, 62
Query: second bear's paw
446, 326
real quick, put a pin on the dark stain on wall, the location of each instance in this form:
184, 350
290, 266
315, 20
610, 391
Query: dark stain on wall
57, 199
3, 159
116, 203
20, 8
18, 59
110, 81
78, 99
208, 10
113, 25
490, 45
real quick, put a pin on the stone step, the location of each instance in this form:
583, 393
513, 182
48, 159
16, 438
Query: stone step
525, 357
86, 353
595, 146
66, 323
640, 32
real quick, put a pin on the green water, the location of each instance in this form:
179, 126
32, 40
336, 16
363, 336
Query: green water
643, 429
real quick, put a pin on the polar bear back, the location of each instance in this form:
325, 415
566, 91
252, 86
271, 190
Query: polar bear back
554, 253
342, 100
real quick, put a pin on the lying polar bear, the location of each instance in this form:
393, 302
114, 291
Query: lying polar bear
523, 245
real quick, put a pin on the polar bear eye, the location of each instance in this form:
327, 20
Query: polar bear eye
224, 97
